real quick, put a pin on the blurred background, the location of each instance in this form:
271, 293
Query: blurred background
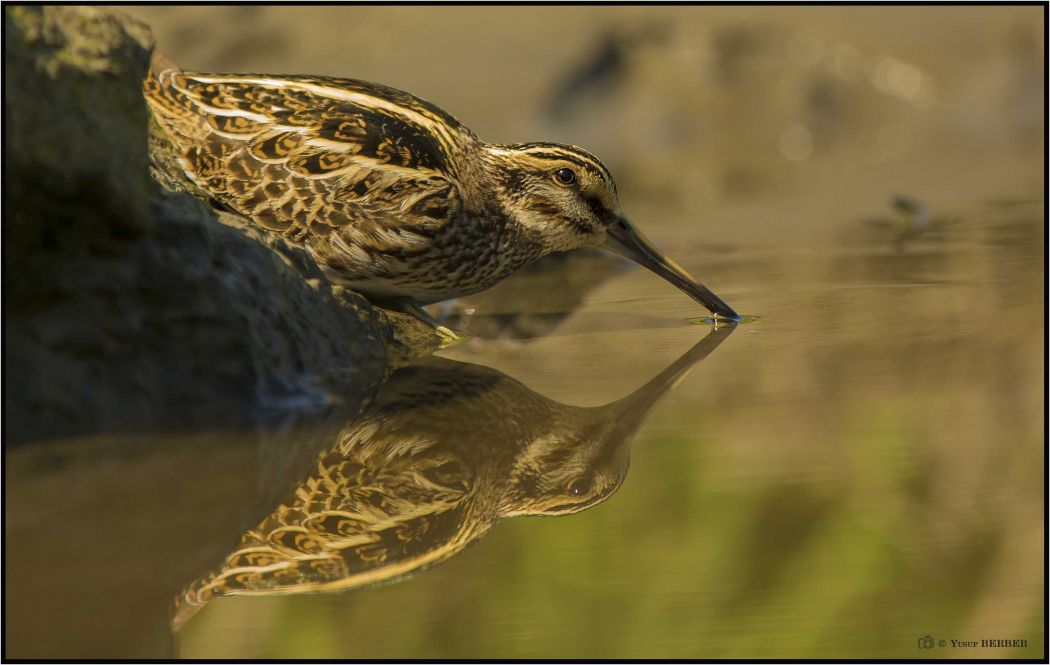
860, 467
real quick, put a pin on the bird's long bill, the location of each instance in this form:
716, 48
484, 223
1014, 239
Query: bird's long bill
631, 411
624, 239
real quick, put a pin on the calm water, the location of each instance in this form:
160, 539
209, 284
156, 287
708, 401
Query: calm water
860, 467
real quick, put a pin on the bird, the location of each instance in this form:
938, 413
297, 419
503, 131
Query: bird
392, 197
444, 451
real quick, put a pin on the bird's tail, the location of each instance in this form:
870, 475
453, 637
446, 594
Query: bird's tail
180, 119
169, 105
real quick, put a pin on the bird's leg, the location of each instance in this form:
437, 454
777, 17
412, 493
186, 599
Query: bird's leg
412, 308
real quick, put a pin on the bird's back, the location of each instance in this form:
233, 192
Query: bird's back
365, 176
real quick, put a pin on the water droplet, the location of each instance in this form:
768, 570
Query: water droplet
721, 320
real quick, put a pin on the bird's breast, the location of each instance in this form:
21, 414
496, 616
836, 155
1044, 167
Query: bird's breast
470, 254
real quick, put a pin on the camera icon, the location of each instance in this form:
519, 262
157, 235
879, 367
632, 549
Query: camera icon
925, 642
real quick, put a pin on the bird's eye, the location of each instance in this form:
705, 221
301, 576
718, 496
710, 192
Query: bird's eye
565, 176
580, 486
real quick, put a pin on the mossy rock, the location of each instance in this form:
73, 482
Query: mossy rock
131, 303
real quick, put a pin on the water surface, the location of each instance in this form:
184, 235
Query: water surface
856, 469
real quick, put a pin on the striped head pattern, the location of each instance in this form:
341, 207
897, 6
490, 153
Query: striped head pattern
560, 194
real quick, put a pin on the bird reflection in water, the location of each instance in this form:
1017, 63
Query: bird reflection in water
445, 451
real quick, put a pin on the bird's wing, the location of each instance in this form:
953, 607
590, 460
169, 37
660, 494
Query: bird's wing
377, 507
309, 156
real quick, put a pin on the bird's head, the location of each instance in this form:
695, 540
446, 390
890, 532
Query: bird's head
581, 461
560, 195
564, 198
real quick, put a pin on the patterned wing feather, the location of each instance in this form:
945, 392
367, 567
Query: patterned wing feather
373, 510
315, 158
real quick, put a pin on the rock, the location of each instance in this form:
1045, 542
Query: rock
128, 302
76, 127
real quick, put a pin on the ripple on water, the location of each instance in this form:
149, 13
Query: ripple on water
721, 320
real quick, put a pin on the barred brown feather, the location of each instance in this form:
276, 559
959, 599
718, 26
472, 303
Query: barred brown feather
370, 177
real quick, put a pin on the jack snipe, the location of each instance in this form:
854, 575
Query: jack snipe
393, 197
444, 452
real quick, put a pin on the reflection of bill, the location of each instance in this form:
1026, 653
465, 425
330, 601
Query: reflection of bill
445, 450
925, 642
